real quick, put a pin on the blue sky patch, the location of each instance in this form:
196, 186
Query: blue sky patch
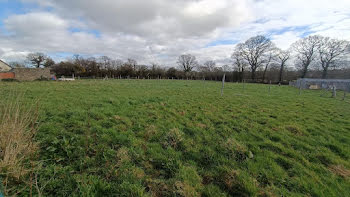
222, 42
60, 55
289, 29
94, 32
10, 7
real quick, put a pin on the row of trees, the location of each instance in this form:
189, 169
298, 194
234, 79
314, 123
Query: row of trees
260, 52
105, 66
258, 58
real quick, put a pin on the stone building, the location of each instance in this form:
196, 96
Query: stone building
31, 74
23, 74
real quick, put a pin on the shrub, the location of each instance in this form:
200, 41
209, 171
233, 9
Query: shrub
10, 80
42, 79
17, 146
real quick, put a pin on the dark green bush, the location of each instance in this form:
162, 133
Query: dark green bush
42, 79
9, 80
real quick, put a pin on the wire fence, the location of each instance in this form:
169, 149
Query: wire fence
307, 83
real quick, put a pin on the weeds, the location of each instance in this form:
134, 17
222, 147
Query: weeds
17, 145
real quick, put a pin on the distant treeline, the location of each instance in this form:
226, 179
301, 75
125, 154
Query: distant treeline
255, 60
106, 67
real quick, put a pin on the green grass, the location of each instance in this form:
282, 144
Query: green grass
180, 138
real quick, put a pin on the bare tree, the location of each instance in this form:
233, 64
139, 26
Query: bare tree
254, 52
37, 59
331, 51
132, 63
306, 50
239, 62
187, 62
207, 68
49, 62
267, 60
226, 68
156, 70
78, 60
282, 57
105, 62
115, 64
209, 65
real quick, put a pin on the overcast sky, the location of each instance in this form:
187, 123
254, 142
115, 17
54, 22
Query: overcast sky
159, 31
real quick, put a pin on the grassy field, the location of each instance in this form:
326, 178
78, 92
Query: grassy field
180, 138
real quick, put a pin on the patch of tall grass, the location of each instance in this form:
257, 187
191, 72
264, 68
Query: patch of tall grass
17, 145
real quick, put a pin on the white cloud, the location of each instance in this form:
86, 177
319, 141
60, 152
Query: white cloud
339, 29
285, 40
34, 24
220, 54
160, 30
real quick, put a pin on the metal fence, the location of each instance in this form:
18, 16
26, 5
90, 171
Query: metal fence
307, 83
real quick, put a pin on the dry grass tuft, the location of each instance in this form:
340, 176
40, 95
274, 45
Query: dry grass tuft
339, 170
123, 156
294, 130
184, 189
17, 146
150, 132
173, 138
201, 125
157, 187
